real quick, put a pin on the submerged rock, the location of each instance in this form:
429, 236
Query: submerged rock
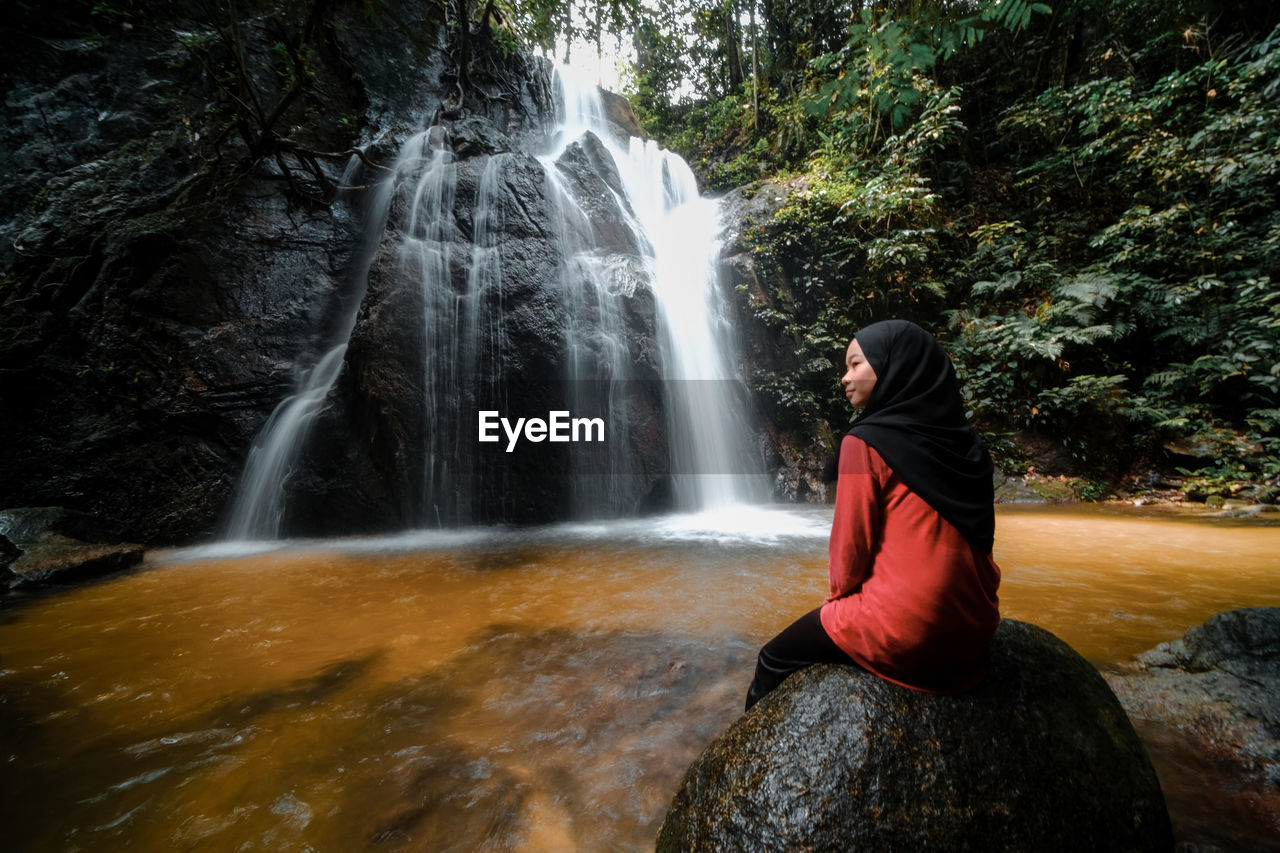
1212, 701
41, 545
1039, 757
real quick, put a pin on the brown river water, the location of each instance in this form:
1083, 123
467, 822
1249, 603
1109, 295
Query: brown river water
503, 689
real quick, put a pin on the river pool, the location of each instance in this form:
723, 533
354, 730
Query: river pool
502, 689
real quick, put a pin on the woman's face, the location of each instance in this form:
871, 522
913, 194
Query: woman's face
859, 378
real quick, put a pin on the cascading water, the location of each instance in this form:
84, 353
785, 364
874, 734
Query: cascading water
707, 405
453, 362
597, 362
466, 352
713, 463
257, 509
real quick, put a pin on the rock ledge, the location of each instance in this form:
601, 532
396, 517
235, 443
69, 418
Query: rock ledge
47, 545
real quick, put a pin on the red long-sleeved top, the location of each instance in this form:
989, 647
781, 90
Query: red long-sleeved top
911, 600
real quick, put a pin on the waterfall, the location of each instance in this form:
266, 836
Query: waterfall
258, 511
464, 336
597, 364
257, 507
453, 362
713, 461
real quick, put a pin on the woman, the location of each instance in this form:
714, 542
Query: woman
913, 583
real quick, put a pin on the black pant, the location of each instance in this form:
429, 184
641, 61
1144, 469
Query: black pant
803, 643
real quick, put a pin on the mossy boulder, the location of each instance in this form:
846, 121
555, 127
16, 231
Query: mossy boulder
1039, 757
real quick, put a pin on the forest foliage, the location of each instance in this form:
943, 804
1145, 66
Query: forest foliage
1080, 198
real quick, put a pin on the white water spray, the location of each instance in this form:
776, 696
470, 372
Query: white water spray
261, 507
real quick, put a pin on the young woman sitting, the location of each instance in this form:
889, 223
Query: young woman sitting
913, 582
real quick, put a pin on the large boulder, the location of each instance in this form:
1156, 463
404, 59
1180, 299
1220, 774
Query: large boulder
1210, 704
1039, 757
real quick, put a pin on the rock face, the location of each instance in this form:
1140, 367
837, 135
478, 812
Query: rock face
1040, 757
44, 545
619, 112
799, 457
416, 407
156, 294
1212, 702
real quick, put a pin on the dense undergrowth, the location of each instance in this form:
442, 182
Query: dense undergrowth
1083, 207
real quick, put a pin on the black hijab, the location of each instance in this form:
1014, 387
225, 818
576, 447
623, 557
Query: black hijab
915, 420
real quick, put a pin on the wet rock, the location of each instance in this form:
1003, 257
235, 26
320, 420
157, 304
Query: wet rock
472, 136
1015, 490
796, 451
1191, 449
746, 209
47, 545
802, 462
510, 303
1050, 490
8, 553
591, 177
138, 392
160, 297
153, 305
1230, 508
1212, 699
400, 65
618, 111
1039, 757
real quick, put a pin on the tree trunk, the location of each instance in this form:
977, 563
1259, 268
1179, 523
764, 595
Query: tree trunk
733, 52
490, 12
755, 71
463, 58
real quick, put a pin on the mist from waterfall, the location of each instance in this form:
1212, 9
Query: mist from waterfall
713, 461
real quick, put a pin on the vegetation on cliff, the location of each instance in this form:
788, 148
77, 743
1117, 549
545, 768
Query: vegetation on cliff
1084, 207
